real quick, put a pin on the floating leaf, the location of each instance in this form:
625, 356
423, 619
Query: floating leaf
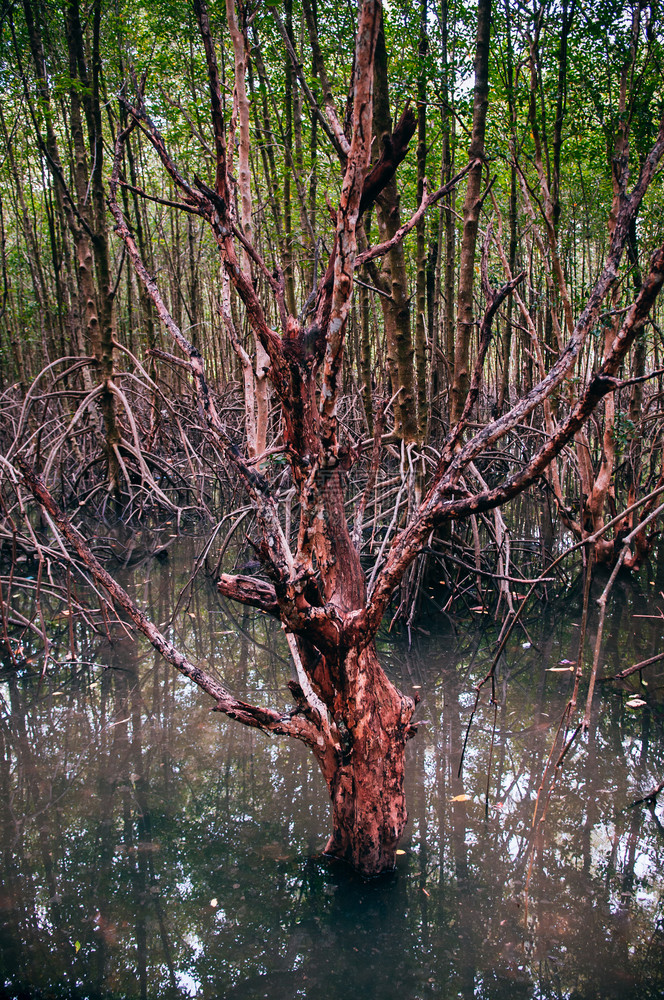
400, 852
566, 663
461, 798
526, 645
77, 946
635, 703
425, 892
559, 670
214, 903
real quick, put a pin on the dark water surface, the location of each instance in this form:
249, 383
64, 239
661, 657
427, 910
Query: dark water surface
150, 848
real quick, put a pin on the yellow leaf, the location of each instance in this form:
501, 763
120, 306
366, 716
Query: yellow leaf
214, 902
461, 798
77, 946
399, 852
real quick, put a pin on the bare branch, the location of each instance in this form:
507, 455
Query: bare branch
349, 212
249, 590
160, 201
250, 715
329, 121
427, 201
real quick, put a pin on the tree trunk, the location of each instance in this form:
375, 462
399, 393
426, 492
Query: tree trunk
365, 780
504, 388
396, 305
289, 259
471, 215
421, 284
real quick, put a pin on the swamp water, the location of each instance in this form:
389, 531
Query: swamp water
151, 848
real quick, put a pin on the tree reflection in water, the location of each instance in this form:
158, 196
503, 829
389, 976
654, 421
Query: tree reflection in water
152, 849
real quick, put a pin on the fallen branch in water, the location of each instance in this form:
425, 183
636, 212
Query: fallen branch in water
650, 797
634, 669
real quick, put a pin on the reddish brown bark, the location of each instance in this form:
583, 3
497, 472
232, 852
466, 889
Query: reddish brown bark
366, 785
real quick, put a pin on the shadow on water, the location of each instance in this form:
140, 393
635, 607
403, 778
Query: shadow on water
151, 849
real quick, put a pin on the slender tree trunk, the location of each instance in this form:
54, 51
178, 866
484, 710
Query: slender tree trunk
396, 305
366, 368
102, 253
421, 286
504, 390
638, 366
86, 218
447, 221
471, 214
288, 264
147, 321
256, 396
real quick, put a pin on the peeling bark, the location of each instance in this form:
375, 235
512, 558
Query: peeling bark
366, 786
